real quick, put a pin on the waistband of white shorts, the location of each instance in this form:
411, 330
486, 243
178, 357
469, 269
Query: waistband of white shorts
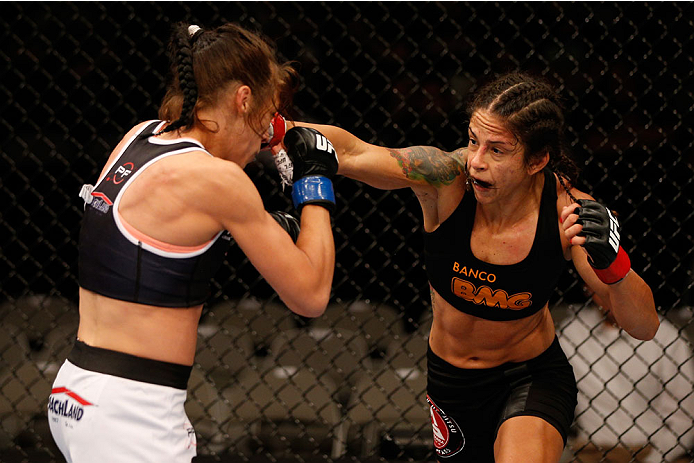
128, 366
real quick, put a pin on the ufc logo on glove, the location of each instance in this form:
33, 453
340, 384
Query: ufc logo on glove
324, 144
614, 231
305, 166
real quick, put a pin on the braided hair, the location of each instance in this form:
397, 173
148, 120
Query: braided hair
205, 62
533, 112
181, 51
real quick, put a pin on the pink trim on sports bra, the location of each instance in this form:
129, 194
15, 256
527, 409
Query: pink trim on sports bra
159, 244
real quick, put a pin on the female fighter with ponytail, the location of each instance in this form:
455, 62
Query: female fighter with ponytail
501, 220
155, 230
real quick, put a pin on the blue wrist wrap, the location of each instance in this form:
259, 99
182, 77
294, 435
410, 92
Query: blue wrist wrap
313, 189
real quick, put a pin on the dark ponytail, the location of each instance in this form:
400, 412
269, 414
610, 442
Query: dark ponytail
204, 63
181, 55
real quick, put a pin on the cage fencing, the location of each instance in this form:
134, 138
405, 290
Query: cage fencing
349, 386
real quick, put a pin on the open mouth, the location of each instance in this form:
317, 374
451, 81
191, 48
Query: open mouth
475, 181
480, 183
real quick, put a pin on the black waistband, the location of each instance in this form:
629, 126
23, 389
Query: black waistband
129, 366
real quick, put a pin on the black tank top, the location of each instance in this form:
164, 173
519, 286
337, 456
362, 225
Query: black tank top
117, 261
489, 291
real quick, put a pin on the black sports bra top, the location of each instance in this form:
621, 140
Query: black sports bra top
489, 291
120, 262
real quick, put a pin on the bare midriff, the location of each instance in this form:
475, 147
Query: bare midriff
158, 333
466, 341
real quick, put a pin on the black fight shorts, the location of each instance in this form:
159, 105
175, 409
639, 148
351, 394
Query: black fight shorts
468, 406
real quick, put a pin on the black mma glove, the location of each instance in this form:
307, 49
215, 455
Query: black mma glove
309, 164
288, 222
600, 228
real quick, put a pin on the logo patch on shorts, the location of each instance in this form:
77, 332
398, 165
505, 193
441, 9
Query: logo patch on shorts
448, 437
192, 439
73, 409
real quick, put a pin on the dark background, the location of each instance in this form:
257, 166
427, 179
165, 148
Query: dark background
77, 76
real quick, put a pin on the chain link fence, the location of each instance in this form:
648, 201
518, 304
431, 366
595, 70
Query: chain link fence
349, 386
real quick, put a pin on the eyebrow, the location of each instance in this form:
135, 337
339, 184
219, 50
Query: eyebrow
492, 142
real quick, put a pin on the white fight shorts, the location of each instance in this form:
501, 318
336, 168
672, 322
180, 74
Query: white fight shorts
97, 417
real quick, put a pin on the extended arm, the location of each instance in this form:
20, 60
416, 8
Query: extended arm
427, 170
417, 167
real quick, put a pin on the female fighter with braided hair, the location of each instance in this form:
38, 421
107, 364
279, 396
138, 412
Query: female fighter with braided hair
501, 220
155, 230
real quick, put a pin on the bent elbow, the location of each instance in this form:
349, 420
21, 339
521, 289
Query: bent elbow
647, 333
316, 311
312, 305
653, 331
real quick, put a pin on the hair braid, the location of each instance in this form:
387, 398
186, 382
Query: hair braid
205, 64
534, 113
182, 56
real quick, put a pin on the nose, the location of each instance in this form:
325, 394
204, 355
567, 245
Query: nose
477, 159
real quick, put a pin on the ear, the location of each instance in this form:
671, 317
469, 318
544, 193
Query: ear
538, 163
242, 99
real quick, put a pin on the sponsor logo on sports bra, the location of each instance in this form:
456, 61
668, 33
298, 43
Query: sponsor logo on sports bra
121, 172
484, 295
100, 202
472, 273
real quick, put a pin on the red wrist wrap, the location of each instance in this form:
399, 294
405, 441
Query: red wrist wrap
617, 269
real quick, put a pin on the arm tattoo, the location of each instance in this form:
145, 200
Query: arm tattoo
429, 164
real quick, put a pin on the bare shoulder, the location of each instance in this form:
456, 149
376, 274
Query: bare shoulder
222, 176
460, 157
122, 144
428, 164
440, 181
216, 187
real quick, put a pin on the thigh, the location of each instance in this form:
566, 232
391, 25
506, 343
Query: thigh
521, 437
539, 410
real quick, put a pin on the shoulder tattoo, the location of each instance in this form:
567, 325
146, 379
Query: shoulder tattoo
429, 164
